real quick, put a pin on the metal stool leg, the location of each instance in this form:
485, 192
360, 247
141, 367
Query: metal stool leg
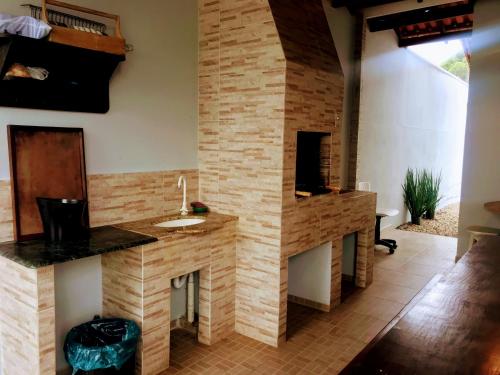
391, 244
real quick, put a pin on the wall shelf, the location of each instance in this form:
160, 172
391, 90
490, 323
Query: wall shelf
78, 78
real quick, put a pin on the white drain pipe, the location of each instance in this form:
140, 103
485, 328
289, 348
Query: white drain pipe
190, 298
178, 283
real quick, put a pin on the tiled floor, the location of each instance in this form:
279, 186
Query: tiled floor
323, 343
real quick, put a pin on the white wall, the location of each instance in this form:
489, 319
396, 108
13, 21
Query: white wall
152, 123
481, 173
78, 290
151, 126
412, 114
309, 274
342, 26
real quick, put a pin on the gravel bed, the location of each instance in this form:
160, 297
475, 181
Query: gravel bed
445, 223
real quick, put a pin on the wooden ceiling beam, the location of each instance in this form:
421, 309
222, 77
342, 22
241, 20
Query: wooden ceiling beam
450, 35
355, 5
435, 13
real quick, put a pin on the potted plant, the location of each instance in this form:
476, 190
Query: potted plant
413, 194
431, 186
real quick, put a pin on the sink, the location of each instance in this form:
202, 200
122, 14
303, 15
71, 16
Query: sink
177, 223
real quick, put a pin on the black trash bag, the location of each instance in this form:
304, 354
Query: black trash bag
101, 344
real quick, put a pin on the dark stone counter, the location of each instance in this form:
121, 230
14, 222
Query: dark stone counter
38, 253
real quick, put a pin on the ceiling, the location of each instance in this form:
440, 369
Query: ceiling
421, 25
354, 5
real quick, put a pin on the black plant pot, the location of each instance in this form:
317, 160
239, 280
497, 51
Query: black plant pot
430, 215
415, 220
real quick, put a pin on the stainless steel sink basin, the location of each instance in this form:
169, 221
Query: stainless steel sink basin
178, 223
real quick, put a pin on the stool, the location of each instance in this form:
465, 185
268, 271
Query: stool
385, 212
379, 214
477, 231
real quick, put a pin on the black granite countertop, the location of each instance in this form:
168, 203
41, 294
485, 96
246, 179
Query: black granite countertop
101, 240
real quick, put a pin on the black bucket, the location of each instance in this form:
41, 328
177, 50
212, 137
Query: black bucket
63, 219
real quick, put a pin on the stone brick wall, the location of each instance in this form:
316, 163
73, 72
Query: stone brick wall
27, 319
119, 197
6, 218
136, 285
241, 99
313, 102
267, 69
122, 197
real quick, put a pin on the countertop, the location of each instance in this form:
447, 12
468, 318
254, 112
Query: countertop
453, 329
345, 195
147, 227
106, 239
101, 240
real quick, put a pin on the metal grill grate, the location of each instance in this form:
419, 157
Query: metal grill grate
67, 20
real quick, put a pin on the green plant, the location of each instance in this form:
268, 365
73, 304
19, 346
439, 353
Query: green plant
430, 186
413, 195
458, 66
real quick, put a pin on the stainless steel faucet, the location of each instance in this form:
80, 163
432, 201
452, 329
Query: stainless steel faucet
183, 182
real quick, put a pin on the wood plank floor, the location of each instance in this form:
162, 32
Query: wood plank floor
453, 329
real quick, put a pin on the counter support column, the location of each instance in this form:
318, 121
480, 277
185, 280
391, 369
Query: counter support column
136, 286
27, 319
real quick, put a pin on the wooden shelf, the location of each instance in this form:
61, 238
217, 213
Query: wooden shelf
103, 43
78, 78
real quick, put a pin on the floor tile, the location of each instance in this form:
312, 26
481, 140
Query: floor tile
324, 343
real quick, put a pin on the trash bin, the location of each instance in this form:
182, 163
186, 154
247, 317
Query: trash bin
101, 344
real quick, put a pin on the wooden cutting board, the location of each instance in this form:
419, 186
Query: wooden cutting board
44, 162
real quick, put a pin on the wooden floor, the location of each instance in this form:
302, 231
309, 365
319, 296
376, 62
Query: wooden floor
453, 329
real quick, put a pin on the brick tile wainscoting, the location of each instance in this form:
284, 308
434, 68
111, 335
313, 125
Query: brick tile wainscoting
119, 197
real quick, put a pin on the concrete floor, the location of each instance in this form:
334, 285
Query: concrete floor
323, 343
